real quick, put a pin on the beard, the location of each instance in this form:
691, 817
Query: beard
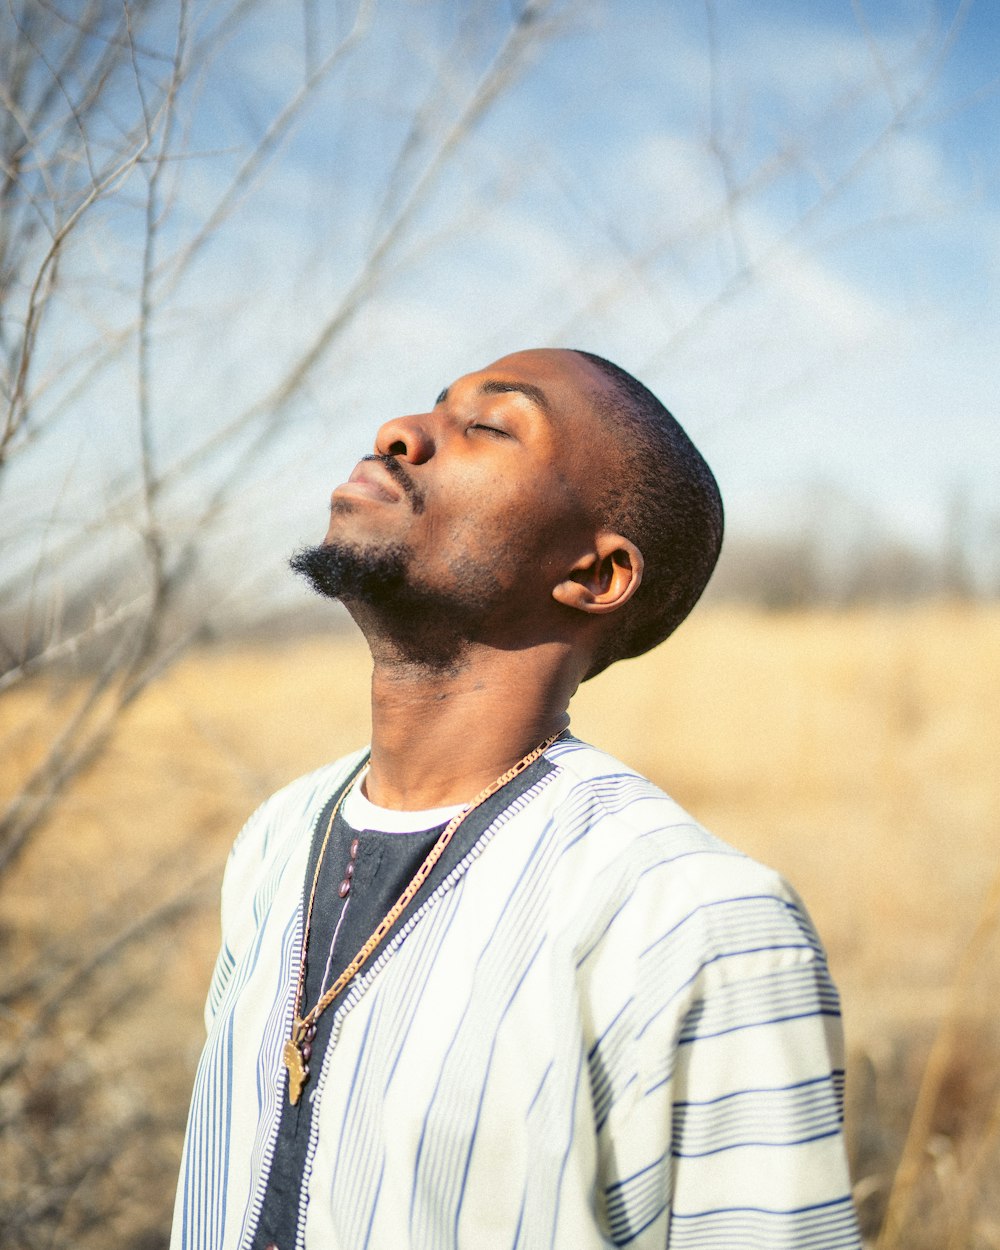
354, 573
402, 618
383, 578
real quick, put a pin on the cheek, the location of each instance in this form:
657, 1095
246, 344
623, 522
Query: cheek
529, 548
510, 534
485, 547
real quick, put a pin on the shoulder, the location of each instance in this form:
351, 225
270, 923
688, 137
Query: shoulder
296, 803
596, 795
660, 870
280, 824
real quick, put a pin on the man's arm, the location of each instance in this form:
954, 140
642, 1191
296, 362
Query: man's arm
757, 1126
719, 1087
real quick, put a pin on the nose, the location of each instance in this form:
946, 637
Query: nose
409, 438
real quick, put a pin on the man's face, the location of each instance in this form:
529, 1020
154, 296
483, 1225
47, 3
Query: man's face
481, 504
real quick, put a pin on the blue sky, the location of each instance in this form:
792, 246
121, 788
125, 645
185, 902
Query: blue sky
783, 217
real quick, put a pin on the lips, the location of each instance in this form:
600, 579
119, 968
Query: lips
372, 479
382, 478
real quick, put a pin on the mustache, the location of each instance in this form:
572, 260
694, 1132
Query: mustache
400, 475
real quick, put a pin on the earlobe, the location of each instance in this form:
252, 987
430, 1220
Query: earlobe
605, 579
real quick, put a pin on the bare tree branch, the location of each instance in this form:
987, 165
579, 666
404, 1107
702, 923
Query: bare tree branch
276, 133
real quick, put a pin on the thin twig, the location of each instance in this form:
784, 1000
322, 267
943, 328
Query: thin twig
276, 133
71, 646
15, 412
935, 1070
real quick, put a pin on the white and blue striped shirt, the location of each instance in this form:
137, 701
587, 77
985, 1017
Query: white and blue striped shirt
604, 1027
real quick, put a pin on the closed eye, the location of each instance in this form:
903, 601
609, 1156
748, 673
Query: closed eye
490, 429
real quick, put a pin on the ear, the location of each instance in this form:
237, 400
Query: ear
603, 580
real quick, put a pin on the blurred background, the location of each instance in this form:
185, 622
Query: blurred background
236, 236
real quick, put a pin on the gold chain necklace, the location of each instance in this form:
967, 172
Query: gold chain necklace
298, 1048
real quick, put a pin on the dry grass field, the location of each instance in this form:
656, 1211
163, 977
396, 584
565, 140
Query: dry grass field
855, 752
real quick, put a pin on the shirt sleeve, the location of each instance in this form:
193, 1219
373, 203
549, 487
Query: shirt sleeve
757, 1141
244, 859
733, 1135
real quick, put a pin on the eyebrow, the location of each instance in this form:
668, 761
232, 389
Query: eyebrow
494, 386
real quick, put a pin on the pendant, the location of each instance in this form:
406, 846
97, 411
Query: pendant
296, 1056
298, 1071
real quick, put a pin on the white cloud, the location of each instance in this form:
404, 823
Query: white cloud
822, 303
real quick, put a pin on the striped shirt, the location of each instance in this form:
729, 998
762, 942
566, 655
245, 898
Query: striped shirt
602, 1027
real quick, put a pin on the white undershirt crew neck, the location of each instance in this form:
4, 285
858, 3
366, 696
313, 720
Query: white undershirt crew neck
361, 813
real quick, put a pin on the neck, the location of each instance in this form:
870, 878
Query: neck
439, 736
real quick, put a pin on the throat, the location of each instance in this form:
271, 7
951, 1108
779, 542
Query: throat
413, 647
440, 734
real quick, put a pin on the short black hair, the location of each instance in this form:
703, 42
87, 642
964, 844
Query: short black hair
665, 499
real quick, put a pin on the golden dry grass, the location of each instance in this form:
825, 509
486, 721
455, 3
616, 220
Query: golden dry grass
854, 752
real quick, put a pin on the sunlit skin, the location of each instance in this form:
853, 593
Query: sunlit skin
498, 501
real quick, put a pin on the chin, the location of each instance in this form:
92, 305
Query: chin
339, 506
340, 570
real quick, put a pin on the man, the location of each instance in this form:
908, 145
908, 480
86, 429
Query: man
482, 985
